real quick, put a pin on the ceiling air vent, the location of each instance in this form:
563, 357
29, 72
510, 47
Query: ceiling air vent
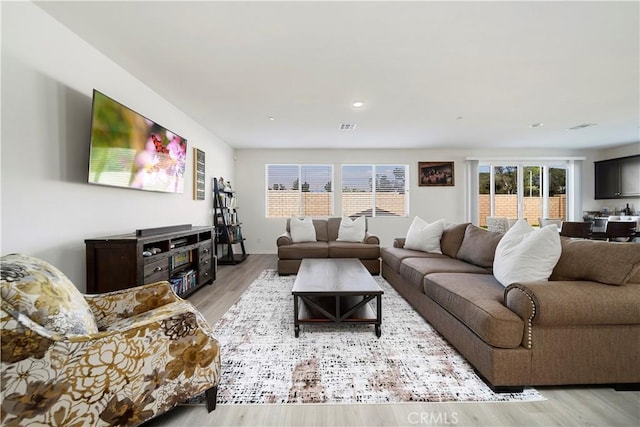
582, 126
347, 126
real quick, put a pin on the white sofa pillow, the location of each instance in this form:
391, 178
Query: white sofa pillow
423, 236
302, 230
525, 254
352, 231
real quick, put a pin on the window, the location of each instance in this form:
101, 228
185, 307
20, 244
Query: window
531, 189
300, 190
374, 190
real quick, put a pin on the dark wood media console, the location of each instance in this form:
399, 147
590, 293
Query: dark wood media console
184, 258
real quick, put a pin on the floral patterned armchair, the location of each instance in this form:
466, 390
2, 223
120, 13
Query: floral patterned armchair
119, 358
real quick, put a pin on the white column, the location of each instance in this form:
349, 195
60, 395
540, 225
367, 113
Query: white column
545, 191
471, 207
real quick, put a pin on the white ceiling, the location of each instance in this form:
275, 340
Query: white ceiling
419, 66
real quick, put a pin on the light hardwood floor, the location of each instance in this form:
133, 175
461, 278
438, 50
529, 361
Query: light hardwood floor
565, 406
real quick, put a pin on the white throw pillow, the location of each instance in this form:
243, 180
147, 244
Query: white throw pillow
423, 236
352, 231
302, 230
525, 254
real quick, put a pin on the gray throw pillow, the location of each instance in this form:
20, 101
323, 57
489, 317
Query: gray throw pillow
479, 246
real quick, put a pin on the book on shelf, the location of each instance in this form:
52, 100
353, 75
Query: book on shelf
227, 201
229, 218
235, 234
183, 281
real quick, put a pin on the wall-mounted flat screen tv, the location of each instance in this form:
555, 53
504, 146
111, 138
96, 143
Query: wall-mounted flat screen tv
129, 150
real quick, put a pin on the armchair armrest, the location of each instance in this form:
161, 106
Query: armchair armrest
182, 316
284, 239
371, 239
138, 372
112, 306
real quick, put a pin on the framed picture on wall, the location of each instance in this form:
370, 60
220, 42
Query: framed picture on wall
435, 174
198, 174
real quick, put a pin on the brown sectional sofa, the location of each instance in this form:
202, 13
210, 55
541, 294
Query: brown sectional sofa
580, 327
290, 254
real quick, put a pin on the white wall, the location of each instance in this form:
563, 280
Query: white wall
48, 209
430, 203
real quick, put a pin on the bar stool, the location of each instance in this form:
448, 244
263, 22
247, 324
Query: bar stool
576, 229
498, 224
620, 231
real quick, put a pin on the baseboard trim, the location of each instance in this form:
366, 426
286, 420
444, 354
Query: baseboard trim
627, 387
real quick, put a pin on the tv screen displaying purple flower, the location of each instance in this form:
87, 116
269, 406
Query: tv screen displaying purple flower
129, 150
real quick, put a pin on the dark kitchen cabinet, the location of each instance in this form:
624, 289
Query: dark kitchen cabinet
617, 178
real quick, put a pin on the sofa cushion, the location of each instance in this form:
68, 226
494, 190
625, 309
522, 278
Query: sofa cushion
304, 250
353, 250
413, 270
525, 254
333, 226
451, 239
319, 224
322, 230
424, 236
606, 262
477, 301
352, 230
394, 256
302, 230
479, 246
40, 291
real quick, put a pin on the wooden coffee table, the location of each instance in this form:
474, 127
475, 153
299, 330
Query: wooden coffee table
335, 290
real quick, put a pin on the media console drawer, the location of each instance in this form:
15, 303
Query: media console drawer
156, 271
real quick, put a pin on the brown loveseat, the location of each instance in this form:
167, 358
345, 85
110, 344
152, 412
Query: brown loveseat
580, 327
290, 254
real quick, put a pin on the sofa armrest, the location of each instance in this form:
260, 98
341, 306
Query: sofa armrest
398, 242
371, 239
284, 239
522, 301
572, 303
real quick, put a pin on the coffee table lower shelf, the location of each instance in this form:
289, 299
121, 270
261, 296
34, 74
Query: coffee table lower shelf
323, 309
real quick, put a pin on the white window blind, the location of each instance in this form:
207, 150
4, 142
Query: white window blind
301, 190
374, 190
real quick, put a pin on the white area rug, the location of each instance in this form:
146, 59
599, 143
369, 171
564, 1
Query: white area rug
262, 361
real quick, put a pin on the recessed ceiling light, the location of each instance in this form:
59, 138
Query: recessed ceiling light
582, 126
272, 118
536, 125
459, 117
357, 104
